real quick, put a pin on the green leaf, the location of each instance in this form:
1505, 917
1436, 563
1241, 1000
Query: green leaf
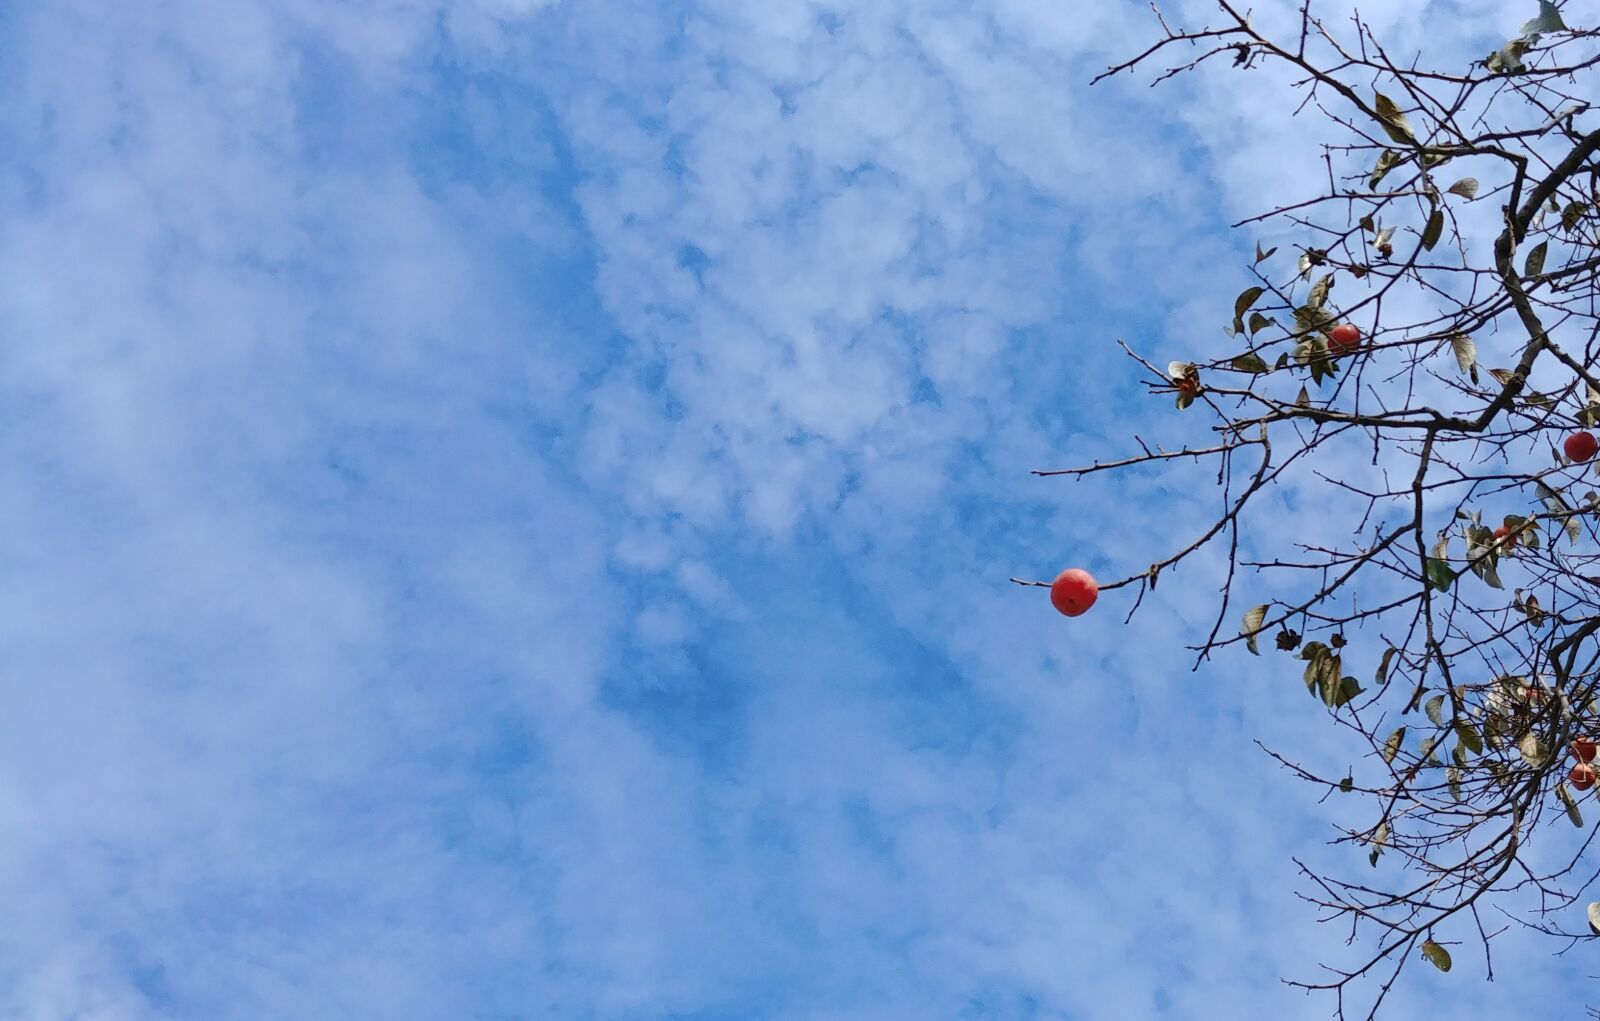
1252, 626
1437, 955
1259, 322
1249, 362
1435, 228
1439, 574
1242, 304
1484, 567
1468, 736
1312, 319
1391, 747
1467, 188
1535, 264
1435, 710
1549, 20
1572, 214
1348, 784
1453, 775
1336, 695
1379, 838
1394, 120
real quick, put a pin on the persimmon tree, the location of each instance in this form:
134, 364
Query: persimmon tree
1454, 632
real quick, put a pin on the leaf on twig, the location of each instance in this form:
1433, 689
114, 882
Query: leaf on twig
1439, 574
1533, 750
1253, 619
1466, 353
1394, 120
1549, 20
1573, 815
1386, 162
1319, 292
1380, 837
1437, 955
1435, 710
1435, 228
1535, 264
1508, 59
1467, 188
1242, 304
1391, 747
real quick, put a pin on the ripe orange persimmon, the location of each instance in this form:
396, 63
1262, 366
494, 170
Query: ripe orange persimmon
1582, 776
1344, 339
1581, 446
1074, 591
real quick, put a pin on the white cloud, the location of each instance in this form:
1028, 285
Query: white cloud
332, 549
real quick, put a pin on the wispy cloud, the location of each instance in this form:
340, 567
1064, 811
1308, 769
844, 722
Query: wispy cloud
508, 506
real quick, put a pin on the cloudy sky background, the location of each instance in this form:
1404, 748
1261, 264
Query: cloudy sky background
507, 506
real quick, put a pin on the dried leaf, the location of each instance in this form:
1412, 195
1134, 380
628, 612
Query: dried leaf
1435, 710
1573, 815
1533, 750
1253, 619
1382, 677
1434, 229
1466, 353
1319, 292
1549, 20
1242, 304
1386, 162
1391, 747
1394, 120
1467, 188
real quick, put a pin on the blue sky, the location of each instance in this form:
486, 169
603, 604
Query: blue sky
508, 503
